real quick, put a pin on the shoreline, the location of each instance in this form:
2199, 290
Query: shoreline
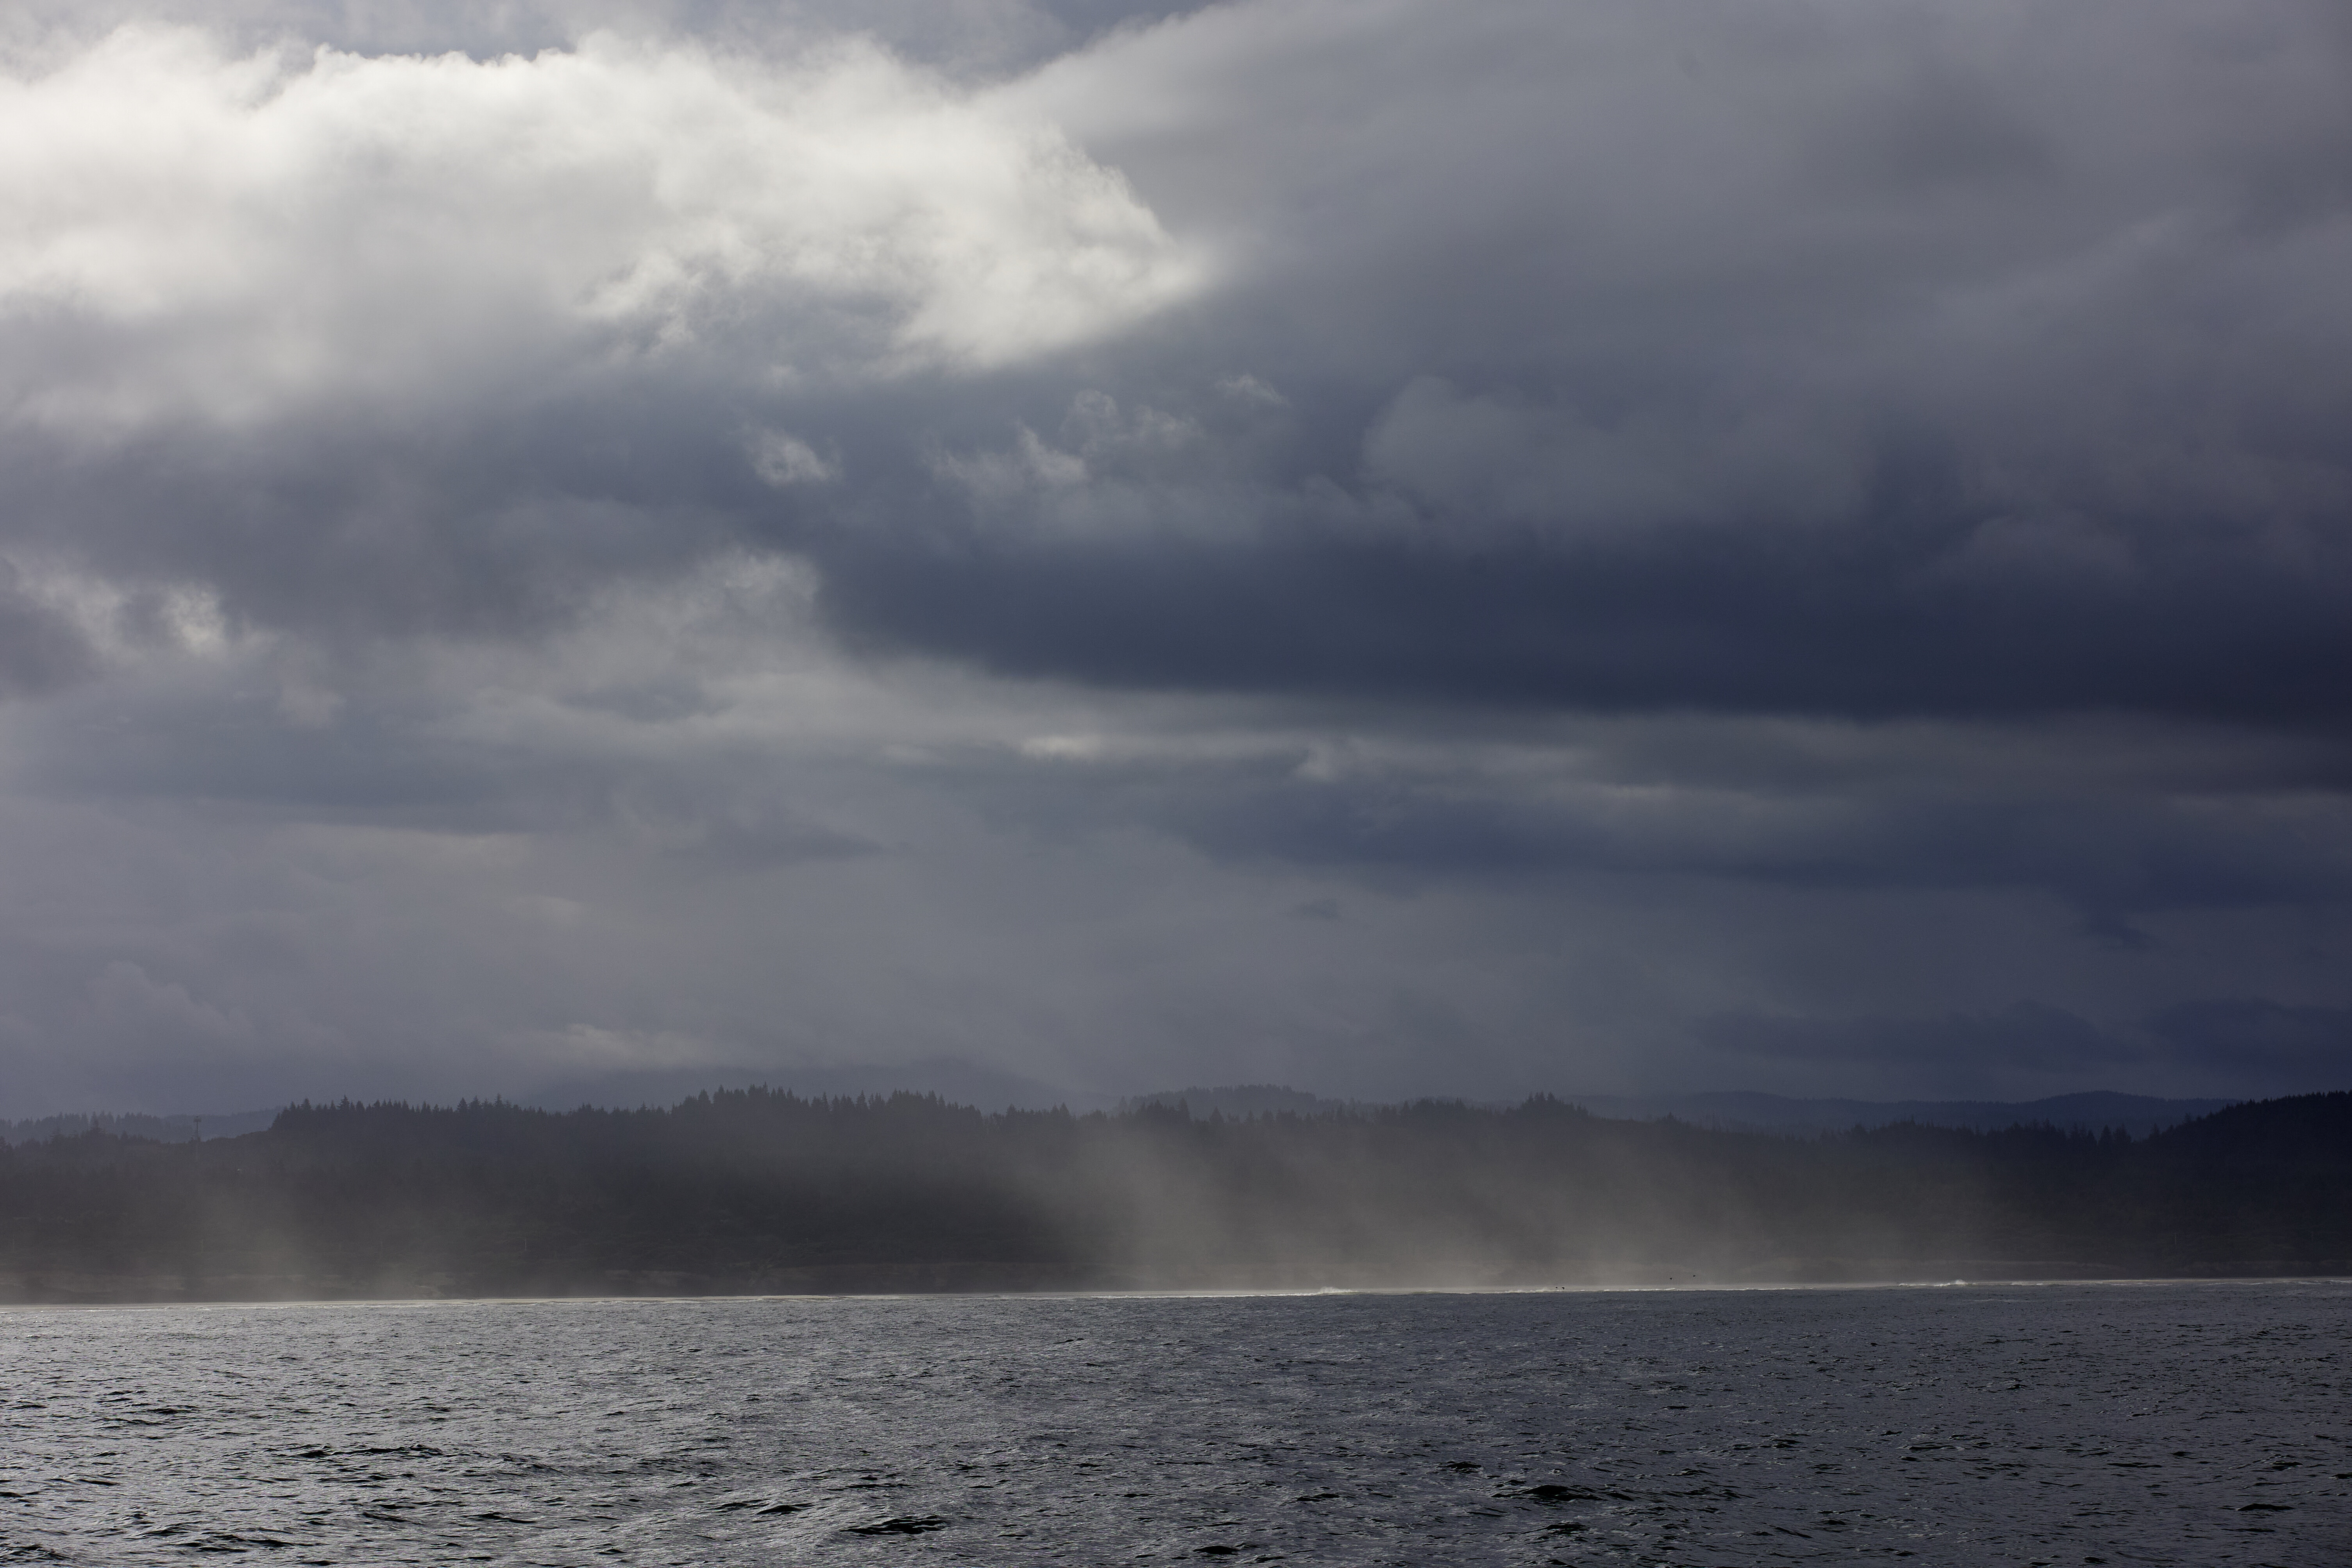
41, 1294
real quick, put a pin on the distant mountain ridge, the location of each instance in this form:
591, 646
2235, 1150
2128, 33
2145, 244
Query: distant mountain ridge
1731, 1110
1738, 1110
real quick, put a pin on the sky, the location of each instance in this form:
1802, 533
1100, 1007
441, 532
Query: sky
1053, 549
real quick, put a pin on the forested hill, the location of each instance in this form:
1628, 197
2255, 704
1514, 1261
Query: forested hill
755, 1191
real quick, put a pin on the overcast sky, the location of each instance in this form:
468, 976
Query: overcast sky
1066, 547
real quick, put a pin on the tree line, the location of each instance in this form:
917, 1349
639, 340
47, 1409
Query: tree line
770, 1192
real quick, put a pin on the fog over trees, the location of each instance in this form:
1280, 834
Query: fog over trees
763, 1192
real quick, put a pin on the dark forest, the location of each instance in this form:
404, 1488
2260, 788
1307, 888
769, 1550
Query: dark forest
763, 1192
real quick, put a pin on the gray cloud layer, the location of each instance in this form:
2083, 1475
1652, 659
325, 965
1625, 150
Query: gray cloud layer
1406, 548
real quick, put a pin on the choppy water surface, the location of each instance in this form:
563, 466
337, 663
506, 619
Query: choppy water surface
2199, 1424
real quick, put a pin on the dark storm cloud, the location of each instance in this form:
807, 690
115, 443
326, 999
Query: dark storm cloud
1828, 361
1415, 548
2107, 858
1717, 619
1822, 361
2108, 848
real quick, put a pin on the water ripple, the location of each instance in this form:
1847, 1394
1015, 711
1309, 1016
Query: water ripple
2166, 1423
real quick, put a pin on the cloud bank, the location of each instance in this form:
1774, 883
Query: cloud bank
1403, 549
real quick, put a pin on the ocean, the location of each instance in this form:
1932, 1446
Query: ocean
2194, 1424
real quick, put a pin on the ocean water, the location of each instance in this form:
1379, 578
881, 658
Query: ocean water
2187, 1423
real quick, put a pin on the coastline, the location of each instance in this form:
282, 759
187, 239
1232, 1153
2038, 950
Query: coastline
62, 1289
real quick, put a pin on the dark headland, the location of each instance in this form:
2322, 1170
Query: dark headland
769, 1192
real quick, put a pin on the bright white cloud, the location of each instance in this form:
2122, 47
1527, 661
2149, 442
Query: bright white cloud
191, 233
